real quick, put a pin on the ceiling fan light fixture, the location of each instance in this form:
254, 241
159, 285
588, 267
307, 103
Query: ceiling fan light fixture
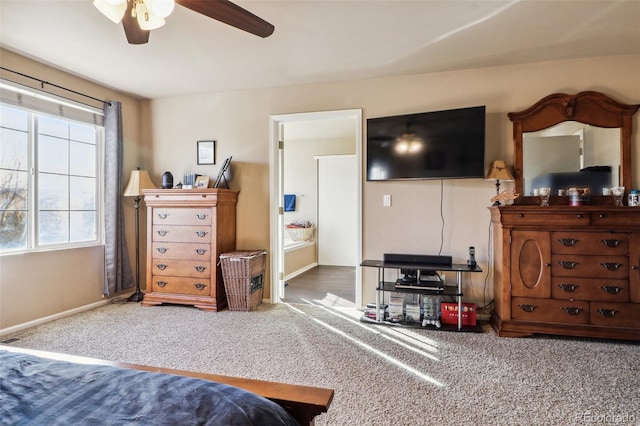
146, 20
112, 9
160, 8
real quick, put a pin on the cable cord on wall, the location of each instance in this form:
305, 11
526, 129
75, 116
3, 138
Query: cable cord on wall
485, 304
441, 216
489, 268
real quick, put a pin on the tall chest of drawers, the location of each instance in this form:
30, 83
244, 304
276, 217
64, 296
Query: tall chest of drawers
187, 231
567, 270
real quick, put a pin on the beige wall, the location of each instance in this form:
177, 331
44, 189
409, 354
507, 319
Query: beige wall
299, 260
37, 285
239, 121
301, 172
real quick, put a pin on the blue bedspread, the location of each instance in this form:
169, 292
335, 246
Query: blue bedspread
40, 391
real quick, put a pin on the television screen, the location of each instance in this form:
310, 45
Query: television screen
431, 145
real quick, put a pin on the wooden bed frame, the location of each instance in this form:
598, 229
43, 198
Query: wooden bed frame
303, 403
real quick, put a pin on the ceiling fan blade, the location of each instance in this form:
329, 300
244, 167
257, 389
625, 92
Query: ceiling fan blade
231, 14
135, 35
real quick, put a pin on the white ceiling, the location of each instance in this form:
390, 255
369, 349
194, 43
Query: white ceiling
315, 41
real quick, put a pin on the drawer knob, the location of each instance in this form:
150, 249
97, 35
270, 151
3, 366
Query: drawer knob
200, 268
611, 266
579, 215
571, 310
201, 233
161, 283
161, 266
199, 286
611, 289
521, 215
163, 232
201, 216
163, 215
635, 267
201, 251
527, 307
608, 313
602, 215
568, 242
567, 264
162, 249
611, 243
569, 288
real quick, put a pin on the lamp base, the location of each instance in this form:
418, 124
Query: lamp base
136, 297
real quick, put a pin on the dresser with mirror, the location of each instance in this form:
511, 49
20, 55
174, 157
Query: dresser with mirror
570, 268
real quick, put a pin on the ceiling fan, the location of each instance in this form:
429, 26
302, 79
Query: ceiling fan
139, 17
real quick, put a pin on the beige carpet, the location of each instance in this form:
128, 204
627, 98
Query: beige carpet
382, 375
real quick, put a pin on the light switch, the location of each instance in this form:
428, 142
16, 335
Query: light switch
386, 200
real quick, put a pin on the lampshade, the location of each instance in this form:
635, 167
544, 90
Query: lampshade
112, 9
138, 181
498, 171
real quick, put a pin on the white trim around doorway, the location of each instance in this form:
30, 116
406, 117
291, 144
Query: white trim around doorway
276, 230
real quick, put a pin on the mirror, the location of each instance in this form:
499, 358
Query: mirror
581, 140
583, 156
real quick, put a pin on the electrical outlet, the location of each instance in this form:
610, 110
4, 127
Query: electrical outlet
386, 200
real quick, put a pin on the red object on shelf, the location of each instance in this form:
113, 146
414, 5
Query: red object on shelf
449, 313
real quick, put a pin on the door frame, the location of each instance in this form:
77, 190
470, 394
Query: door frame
277, 198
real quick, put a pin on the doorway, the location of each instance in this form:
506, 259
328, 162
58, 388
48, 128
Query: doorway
279, 125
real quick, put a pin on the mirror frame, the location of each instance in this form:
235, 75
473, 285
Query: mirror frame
589, 107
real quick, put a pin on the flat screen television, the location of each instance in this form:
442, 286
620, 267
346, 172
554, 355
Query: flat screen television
430, 145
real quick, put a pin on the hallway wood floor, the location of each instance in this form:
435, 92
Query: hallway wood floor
327, 285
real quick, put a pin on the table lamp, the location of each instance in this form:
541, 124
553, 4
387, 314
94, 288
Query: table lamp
498, 171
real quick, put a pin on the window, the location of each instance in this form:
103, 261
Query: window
50, 180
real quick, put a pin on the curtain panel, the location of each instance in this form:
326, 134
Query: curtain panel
118, 274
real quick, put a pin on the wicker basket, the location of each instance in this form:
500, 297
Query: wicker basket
301, 234
243, 277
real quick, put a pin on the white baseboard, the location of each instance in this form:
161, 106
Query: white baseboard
23, 326
301, 271
292, 275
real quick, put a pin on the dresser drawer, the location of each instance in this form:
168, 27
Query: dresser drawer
573, 218
186, 234
609, 267
550, 311
600, 243
615, 218
199, 251
181, 216
590, 289
610, 314
181, 268
181, 285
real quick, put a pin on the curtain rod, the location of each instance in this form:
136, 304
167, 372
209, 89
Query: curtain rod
44, 82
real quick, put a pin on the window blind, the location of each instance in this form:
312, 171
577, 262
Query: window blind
46, 103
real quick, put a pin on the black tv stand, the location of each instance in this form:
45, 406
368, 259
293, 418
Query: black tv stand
435, 290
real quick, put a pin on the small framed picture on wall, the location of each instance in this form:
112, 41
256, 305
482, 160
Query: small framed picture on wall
206, 152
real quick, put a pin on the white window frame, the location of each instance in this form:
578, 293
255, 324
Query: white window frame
38, 103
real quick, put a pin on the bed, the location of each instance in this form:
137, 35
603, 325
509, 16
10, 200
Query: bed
55, 389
